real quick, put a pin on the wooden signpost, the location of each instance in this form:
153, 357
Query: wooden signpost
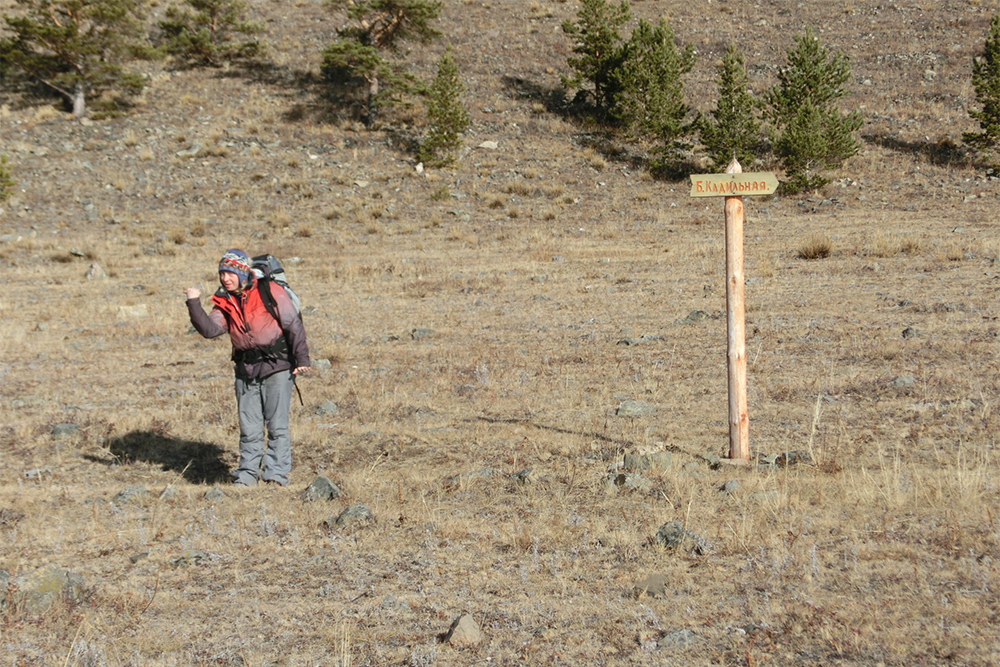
733, 185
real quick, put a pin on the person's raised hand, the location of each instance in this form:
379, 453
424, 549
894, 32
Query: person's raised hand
192, 293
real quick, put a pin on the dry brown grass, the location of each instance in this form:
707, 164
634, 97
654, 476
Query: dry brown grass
882, 552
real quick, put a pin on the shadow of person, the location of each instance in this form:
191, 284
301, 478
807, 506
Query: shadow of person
198, 462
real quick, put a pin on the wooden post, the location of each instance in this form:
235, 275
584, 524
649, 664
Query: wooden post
733, 185
739, 421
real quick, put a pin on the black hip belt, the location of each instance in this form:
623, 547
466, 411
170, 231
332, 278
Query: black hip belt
278, 351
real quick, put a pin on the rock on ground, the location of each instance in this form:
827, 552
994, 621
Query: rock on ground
464, 631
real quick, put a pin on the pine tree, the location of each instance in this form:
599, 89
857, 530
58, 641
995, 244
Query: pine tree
358, 51
77, 48
202, 32
598, 43
812, 134
986, 82
446, 116
650, 97
734, 128
7, 181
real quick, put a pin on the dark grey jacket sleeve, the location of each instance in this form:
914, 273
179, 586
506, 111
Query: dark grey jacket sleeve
208, 325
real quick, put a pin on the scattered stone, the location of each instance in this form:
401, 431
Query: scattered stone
673, 535
9, 519
794, 457
321, 488
729, 487
904, 382
692, 317
464, 390
654, 586
465, 478
190, 557
654, 461
76, 252
645, 338
327, 408
930, 75
129, 493
525, 477
420, 167
37, 472
419, 334
215, 493
678, 639
489, 145
354, 516
322, 364
95, 272
10, 238
193, 151
732, 463
629, 481
135, 558
768, 496
909, 332
634, 409
64, 430
361, 183
464, 631
135, 312
38, 590
168, 492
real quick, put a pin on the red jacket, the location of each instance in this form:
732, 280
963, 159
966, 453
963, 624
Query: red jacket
251, 328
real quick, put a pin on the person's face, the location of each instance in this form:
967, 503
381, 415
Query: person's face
230, 281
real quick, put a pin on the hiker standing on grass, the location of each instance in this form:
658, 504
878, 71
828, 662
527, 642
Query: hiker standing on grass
268, 351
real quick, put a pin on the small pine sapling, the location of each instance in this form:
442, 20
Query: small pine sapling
650, 97
203, 32
446, 116
598, 45
986, 82
810, 133
733, 129
7, 181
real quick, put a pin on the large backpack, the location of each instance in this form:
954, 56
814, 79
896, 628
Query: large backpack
268, 271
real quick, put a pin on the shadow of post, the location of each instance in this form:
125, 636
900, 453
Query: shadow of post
198, 462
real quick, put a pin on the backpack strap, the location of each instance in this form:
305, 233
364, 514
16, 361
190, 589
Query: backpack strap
264, 287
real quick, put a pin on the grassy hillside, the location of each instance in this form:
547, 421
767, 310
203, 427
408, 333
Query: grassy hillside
490, 319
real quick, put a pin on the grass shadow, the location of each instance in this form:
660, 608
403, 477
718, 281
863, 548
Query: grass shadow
197, 462
946, 152
617, 443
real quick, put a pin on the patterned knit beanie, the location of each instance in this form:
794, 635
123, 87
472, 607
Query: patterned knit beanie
236, 261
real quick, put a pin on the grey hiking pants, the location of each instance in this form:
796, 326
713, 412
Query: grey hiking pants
264, 402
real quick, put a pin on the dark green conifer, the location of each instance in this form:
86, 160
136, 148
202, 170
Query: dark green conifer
598, 45
733, 129
650, 97
205, 32
7, 181
77, 48
358, 52
811, 134
986, 82
446, 116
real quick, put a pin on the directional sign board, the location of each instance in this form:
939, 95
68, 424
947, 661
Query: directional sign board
733, 185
